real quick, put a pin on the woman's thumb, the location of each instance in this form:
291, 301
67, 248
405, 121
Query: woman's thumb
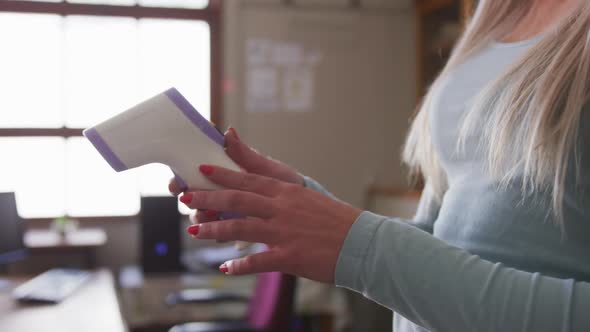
241, 153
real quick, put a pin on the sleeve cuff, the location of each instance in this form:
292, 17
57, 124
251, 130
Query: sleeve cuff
311, 183
354, 250
316, 186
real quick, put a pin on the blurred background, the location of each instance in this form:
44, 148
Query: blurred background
327, 86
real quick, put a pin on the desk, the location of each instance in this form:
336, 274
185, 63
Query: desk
93, 307
144, 307
84, 241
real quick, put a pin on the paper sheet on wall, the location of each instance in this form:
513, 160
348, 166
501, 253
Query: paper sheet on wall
298, 90
262, 93
258, 52
280, 75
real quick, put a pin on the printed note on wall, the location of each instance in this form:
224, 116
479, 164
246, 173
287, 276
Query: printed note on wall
280, 75
298, 90
262, 92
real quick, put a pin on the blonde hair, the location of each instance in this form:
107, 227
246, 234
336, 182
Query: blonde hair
538, 103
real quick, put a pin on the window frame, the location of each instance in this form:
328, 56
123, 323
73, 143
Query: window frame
212, 14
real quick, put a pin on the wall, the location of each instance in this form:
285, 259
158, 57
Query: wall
364, 97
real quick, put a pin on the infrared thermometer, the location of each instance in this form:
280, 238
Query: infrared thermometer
164, 129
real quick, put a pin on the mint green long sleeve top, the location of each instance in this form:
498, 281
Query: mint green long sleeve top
483, 258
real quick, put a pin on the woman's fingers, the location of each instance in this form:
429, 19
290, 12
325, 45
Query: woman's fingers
249, 230
245, 203
174, 188
243, 155
203, 216
241, 181
254, 162
267, 261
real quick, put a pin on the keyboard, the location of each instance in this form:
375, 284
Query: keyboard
52, 286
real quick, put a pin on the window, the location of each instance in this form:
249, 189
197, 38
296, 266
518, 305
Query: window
67, 65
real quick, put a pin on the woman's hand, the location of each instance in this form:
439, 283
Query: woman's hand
252, 162
303, 229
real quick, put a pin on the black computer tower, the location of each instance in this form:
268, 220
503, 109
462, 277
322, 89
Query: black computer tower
160, 225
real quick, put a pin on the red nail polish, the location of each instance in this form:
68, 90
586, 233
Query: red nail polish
206, 169
211, 214
186, 198
223, 268
234, 133
193, 230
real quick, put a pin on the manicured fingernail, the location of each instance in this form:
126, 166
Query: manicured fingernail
223, 268
234, 133
193, 230
186, 198
211, 214
206, 169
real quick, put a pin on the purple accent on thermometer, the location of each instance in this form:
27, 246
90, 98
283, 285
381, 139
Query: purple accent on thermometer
206, 127
183, 186
230, 215
94, 137
194, 115
197, 119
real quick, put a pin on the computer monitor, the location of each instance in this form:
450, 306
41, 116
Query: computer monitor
12, 247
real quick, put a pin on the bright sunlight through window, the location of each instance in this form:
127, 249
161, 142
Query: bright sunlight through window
74, 71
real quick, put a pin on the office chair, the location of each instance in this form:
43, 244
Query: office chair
270, 309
